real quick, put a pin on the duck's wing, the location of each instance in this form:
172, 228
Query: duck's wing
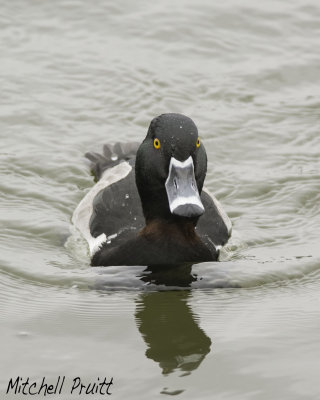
113, 154
111, 211
214, 226
117, 208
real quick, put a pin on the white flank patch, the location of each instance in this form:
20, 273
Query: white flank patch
95, 243
82, 214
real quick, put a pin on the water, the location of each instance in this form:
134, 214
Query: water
75, 76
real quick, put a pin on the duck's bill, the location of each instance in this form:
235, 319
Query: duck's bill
182, 191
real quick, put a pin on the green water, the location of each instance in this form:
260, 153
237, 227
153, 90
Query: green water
76, 75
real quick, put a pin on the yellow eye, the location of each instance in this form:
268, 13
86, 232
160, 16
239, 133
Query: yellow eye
198, 142
156, 143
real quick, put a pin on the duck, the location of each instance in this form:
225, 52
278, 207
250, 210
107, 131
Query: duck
149, 206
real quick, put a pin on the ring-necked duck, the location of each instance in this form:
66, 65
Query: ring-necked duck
149, 206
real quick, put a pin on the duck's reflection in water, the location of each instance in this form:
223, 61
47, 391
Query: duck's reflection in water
169, 328
169, 275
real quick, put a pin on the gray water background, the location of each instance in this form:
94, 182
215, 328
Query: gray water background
75, 75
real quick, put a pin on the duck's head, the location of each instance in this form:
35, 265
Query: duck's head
171, 166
